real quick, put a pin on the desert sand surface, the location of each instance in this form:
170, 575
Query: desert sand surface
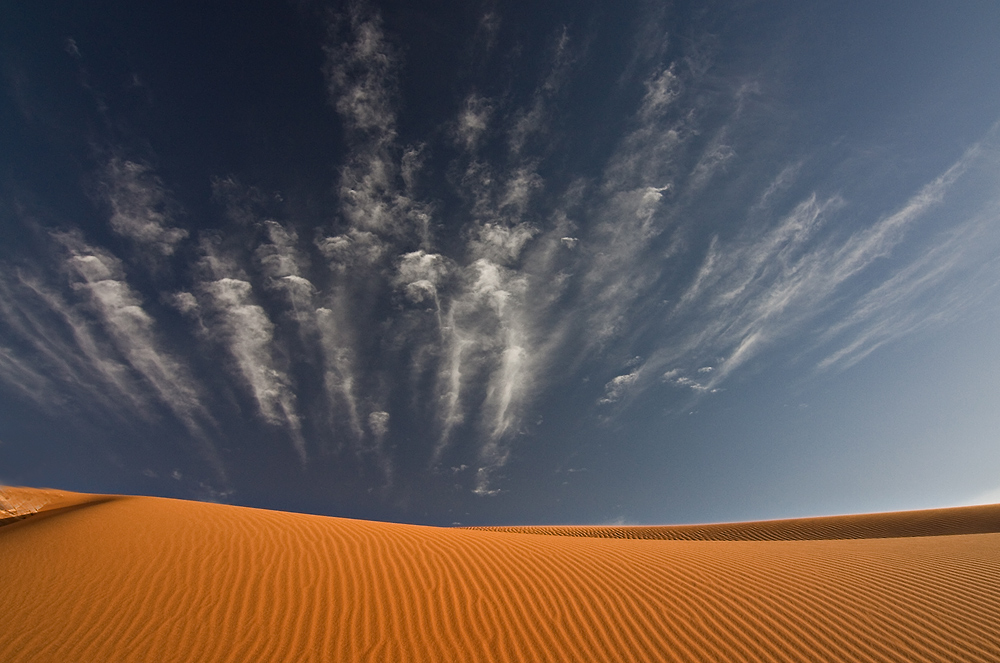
110, 578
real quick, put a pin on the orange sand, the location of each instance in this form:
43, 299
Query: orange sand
95, 579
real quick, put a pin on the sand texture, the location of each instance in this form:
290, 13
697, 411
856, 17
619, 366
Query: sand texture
90, 578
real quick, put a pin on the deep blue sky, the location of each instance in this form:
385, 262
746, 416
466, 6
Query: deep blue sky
488, 262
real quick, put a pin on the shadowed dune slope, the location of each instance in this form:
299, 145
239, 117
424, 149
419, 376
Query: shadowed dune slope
148, 579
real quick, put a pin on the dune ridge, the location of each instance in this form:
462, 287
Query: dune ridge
980, 519
20, 503
149, 579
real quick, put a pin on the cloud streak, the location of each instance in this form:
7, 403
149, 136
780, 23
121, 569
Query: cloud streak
240, 325
771, 284
100, 344
140, 206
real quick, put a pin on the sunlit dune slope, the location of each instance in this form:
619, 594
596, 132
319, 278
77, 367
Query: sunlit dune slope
146, 579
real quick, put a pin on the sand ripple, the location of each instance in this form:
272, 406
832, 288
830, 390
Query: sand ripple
145, 579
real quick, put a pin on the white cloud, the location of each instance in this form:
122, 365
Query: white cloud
185, 302
69, 348
339, 382
769, 284
280, 257
779, 184
283, 264
420, 274
617, 387
714, 158
244, 329
356, 248
534, 119
361, 75
499, 244
952, 277
378, 423
141, 206
662, 90
135, 334
473, 121
422, 266
25, 378
487, 341
104, 348
377, 181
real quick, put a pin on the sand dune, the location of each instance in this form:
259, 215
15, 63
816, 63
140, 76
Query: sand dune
929, 522
88, 578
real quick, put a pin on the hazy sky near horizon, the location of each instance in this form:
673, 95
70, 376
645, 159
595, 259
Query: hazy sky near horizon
503, 262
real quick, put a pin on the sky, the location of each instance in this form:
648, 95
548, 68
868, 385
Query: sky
454, 262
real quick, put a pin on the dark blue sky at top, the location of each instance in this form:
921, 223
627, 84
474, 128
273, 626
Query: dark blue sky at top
486, 262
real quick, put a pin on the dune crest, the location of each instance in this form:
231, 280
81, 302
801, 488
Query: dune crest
146, 579
982, 519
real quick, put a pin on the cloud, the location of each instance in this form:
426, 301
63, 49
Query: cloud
481, 348
617, 387
473, 120
356, 248
361, 75
71, 48
662, 90
378, 423
420, 274
779, 184
283, 264
140, 206
714, 158
100, 276
99, 347
324, 323
185, 302
500, 244
25, 378
245, 330
644, 192
532, 121
56, 337
339, 382
950, 278
493, 360
771, 283
377, 181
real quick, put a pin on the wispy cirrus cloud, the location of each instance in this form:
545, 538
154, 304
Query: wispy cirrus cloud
68, 354
377, 180
96, 343
134, 332
231, 316
774, 282
481, 335
141, 206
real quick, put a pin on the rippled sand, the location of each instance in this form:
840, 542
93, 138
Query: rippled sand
98, 578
